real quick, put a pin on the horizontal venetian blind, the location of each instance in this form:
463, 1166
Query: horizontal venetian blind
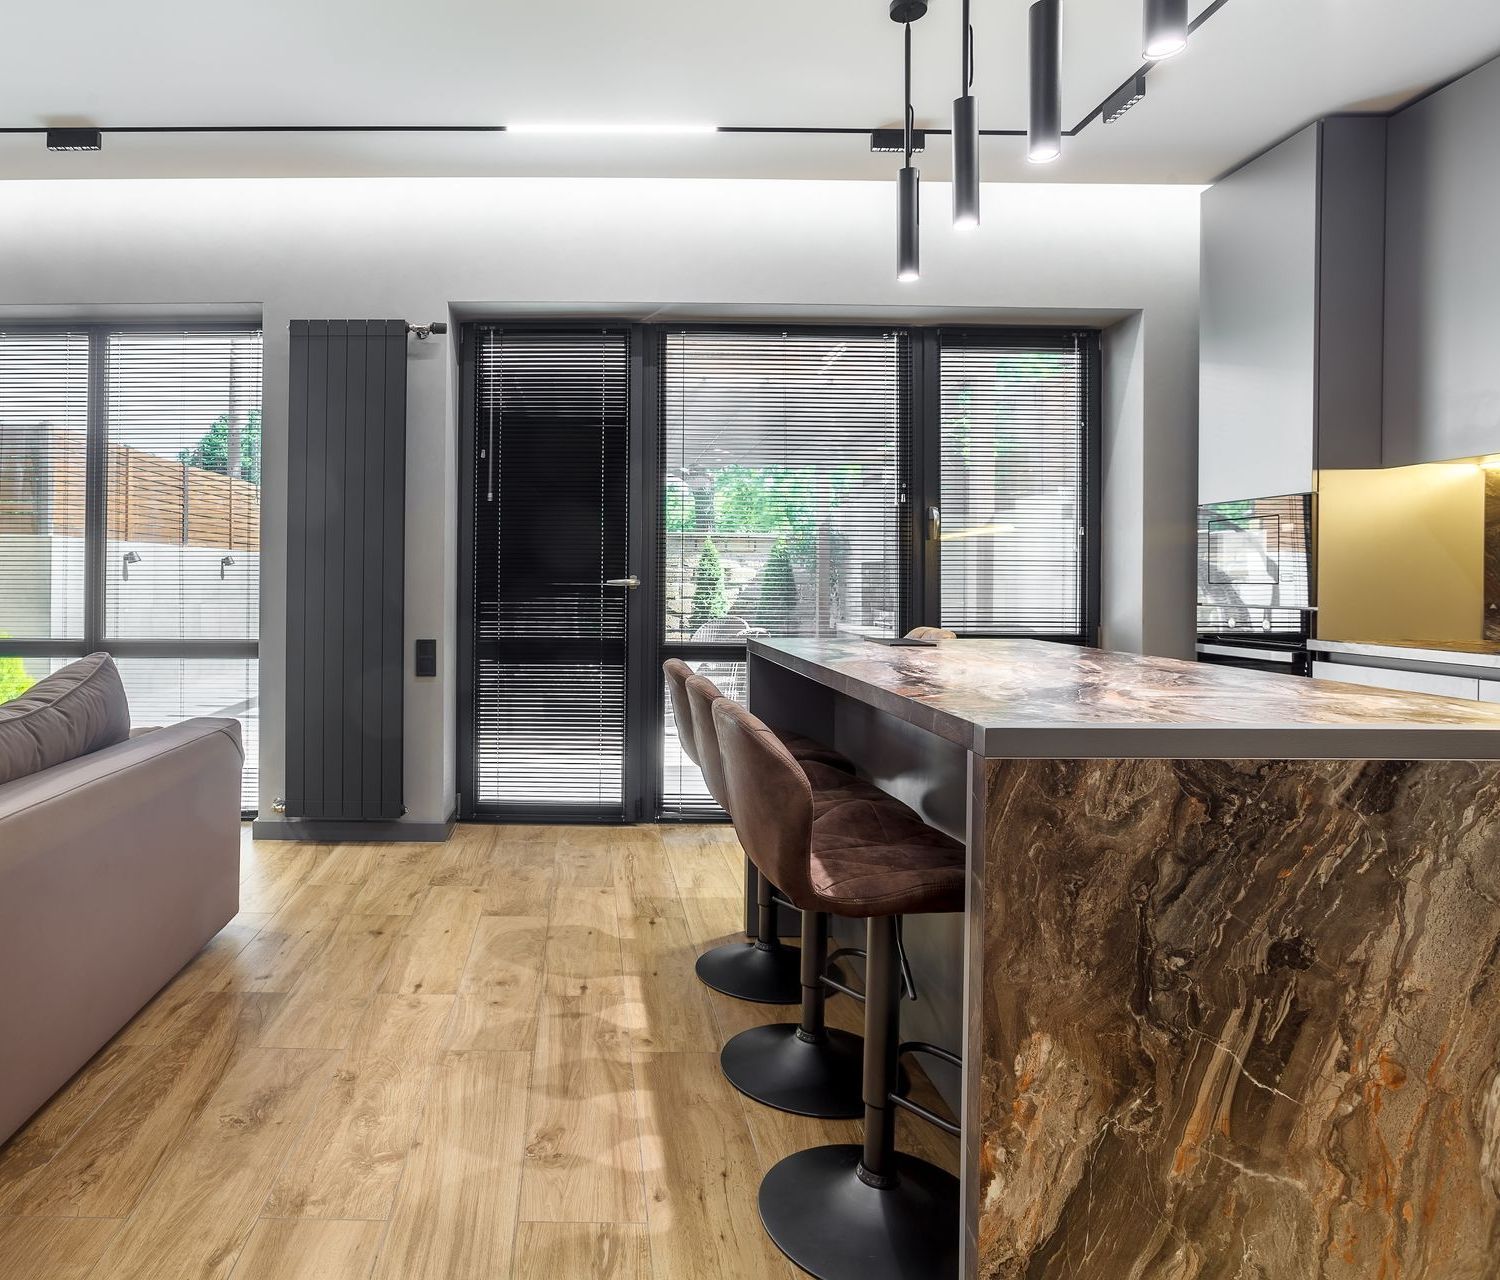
44, 387
182, 490
781, 483
1012, 435
550, 528
782, 474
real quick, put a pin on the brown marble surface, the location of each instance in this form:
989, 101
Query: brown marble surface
1239, 1019
1028, 698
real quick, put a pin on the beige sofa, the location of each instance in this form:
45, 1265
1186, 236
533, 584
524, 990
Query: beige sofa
115, 868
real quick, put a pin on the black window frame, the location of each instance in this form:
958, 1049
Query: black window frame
96, 482
921, 578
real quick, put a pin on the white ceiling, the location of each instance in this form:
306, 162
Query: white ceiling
1257, 71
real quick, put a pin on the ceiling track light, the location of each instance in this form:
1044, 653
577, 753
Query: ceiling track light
1044, 132
1123, 98
908, 201
893, 141
966, 137
1166, 29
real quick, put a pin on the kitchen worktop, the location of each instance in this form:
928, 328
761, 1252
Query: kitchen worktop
1457, 653
1028, 699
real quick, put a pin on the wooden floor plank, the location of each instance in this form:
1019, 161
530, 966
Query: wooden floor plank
596, 1250
658, 955
454, 1216
499, 993
430, 956
161, 1019
522, 878
326, 1005
349, 1158
271, 871
291, 940
52, 1248
346, 864
194, 1220
307, 1249
702, 1174
68, 1110
104, 1170
583, 1153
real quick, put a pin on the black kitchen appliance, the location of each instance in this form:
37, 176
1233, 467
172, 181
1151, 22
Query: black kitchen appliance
1256, 583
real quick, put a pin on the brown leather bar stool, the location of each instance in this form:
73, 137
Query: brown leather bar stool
850, 1212
931, 633
766, 970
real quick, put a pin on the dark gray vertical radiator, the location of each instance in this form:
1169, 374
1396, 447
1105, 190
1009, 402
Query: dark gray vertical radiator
346, 545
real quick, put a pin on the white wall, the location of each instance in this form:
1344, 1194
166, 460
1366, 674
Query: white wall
415, 248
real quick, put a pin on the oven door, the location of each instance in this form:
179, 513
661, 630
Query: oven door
1288, 659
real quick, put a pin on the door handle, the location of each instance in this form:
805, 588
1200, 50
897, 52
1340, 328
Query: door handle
934, 524
630, 583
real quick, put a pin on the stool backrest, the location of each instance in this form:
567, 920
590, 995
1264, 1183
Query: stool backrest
702, 693
931, 633
770, 801
678, 673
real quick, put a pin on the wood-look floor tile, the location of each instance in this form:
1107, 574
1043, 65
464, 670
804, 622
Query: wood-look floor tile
104, 1170
596, 1250
271, 870
455, 1212
326, 1005
290, 941
161, 1019
499, 993
349, 1158
430, 956
658, 955
53, 1248
346, 864
522, 878
68, 1110
308, 1249
195, 1218
702, 1174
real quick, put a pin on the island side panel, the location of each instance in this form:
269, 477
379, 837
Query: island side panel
1239, 1017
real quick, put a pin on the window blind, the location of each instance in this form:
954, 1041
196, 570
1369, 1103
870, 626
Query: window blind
44, 384
1012, 440
166, 452
782, 478
182, 424
551, 498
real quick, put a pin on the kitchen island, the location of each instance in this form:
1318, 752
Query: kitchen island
1230, 958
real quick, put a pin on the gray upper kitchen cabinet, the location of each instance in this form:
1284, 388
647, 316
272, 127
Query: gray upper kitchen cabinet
1291, 298
1442, 373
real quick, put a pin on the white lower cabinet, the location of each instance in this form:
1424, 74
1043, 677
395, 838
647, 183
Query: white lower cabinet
1408, 681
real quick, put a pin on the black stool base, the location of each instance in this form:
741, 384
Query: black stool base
834, 1227
819, 1078
766, 976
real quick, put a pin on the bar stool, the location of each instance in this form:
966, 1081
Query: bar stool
765, 971
850, 1212
931, 633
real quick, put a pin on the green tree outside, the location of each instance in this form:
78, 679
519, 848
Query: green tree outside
709, 598
211, 453
13, 678
778, 591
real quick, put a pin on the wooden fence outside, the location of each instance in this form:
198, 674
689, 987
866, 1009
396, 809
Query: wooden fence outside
148, 498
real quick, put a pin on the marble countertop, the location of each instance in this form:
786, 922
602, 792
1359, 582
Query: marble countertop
1030, 699
1453, 653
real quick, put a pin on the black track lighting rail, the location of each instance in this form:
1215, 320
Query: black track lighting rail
814, 130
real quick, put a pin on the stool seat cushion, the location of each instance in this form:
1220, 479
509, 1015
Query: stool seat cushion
804, 749
875, 857
832, 787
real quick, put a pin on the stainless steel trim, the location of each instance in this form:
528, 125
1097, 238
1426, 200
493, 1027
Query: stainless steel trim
1250, 652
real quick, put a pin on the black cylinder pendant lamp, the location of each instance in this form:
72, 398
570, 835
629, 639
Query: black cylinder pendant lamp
1044, 133
966, 138
1166, 28
908, 203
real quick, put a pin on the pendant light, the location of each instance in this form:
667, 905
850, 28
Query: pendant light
1044, 133
908, 205
1166, 28
966, 138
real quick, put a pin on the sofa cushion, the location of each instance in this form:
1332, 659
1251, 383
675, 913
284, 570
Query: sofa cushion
80, 709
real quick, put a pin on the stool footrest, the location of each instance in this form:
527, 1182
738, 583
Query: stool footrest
924, 1113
